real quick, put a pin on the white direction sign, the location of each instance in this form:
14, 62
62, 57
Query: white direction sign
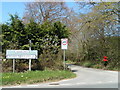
64, 43
21, 54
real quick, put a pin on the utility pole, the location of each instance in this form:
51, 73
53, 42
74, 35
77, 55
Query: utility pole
30, 59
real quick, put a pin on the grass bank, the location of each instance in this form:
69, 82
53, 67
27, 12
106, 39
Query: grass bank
89, 64
31, 77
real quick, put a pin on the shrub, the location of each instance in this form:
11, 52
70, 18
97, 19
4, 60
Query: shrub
97, 66
48, 60
87, 64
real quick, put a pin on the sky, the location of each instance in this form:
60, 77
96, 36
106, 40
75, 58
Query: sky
14, 8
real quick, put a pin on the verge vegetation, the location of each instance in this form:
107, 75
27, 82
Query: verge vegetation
31, 77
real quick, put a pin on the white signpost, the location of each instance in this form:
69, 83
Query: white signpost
64, 43
64, 46
21, 54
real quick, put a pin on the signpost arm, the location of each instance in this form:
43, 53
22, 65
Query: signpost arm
30, 59
13, 65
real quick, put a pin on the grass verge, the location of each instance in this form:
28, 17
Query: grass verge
35, 77
89, 64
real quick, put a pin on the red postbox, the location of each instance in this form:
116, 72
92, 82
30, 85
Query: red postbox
105, 60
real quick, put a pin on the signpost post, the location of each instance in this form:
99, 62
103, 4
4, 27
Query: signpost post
13, 65
30, 59
64, 45
64, 59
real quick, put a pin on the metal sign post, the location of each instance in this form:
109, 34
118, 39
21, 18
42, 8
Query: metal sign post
64, 45
30, 59
64, 59
29, 64
13, 65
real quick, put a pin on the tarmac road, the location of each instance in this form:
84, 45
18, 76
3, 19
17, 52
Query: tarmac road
86, 78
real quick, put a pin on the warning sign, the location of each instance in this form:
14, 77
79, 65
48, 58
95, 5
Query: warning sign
64, 43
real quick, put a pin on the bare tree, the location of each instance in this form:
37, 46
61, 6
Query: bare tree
45, 11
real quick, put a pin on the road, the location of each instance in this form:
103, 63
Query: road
86, 78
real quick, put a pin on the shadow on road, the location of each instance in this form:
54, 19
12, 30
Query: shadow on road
74, 70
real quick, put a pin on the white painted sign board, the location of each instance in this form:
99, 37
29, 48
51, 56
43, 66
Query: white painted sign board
21, 54
64, 43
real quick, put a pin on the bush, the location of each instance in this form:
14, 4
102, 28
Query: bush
87, 64
21, 67
48, 60
6, 65
98, 66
